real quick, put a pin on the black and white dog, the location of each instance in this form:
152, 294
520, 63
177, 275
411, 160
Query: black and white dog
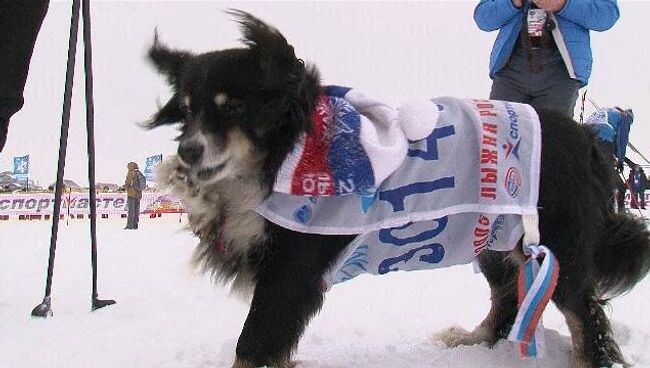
242, 110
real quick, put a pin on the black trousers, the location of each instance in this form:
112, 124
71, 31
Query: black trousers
20, 21
549, 87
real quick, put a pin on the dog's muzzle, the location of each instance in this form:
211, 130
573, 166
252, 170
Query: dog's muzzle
193, 169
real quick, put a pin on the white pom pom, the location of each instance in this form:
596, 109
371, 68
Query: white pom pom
418, 118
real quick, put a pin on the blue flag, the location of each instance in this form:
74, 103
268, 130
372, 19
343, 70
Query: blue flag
21, 167
150, 166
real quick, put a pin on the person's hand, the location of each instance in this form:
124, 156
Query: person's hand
549, 5
517, 3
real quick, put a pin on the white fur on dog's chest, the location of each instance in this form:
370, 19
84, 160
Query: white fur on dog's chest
231, 204
227, 207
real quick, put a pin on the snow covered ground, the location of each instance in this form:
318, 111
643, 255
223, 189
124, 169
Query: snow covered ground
168, 316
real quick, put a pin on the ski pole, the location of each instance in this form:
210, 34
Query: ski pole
90, 129
45, 308
637, 152
582, 107
68, 201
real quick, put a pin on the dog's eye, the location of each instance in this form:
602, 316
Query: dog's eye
233, 107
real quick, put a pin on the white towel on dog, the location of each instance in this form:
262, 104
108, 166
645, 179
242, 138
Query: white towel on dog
461, 190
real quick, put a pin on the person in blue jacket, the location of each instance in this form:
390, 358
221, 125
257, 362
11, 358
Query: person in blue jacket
612, 126
542, 54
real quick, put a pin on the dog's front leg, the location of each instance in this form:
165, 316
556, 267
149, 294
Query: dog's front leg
283, 303
288, 292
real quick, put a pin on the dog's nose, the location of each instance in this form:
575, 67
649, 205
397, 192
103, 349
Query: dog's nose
190, 153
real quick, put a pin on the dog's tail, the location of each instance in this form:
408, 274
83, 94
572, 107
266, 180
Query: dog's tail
623, 256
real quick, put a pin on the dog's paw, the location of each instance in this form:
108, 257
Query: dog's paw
241, 363
457, 336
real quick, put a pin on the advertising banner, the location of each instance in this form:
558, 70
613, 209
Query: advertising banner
79, 203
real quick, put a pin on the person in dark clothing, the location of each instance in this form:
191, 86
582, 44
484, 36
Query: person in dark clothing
621, 188
638, 183
133, 187
20, 22
629, 184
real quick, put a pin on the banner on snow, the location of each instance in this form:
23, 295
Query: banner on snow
79, 203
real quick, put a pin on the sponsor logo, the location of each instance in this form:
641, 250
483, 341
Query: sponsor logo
497, 225
512, 144
486, 232
512, 148
513, 119
481, 233
513, 182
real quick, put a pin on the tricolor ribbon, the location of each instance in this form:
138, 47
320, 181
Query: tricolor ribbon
536, 286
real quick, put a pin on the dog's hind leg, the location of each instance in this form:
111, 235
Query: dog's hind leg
288, 292
500, 270
591, 334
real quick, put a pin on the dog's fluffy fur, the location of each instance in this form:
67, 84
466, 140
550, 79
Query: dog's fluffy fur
242, 110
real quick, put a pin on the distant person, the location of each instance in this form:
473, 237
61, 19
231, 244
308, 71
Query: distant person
621, 189
630, 185
612, 126
542, 54
639, 183
20, 22
134, 184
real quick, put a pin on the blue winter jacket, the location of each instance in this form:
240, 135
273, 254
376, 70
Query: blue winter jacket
571, 34
615, 129
620, 122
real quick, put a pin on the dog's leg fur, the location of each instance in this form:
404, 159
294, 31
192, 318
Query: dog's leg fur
288, 292
592, 338
500, 269
574, 215
594, 321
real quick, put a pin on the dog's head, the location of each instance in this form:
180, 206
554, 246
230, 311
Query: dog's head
240, 110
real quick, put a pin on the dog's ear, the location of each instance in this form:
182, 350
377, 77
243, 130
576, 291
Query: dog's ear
169, 114
275, 56
168, 62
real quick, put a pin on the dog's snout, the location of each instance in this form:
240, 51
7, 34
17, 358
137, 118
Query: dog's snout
190, 153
